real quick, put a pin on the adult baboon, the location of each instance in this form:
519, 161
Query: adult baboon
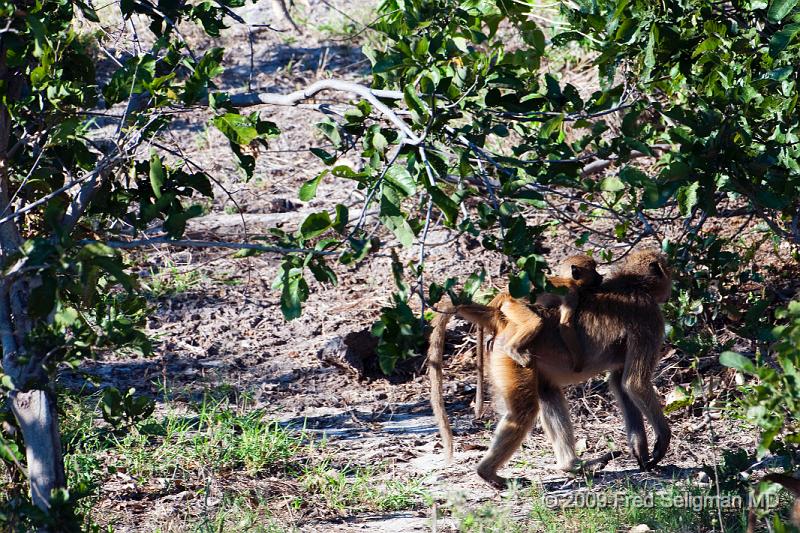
621, 329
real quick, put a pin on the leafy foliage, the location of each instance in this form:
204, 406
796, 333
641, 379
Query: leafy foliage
483, 135
773, 401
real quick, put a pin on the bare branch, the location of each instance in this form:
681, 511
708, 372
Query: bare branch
371, 95
601, 164
164, 241
105, 163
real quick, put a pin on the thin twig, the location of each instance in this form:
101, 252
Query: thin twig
157, 241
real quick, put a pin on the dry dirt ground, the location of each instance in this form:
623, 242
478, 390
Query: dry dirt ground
225, 329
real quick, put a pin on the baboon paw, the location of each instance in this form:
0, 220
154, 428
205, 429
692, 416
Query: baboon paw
652, 463
642, 459
659, 451
573, 466
493, 479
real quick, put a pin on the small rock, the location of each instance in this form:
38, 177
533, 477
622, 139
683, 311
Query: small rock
641, 528
281, 205
580, 446
350, 351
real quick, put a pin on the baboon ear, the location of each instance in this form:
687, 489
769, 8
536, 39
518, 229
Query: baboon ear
657, 270
577, 272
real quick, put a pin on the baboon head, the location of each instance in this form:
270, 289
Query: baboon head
583, 269
652, 272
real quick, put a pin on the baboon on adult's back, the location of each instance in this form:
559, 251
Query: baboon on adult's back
621, 328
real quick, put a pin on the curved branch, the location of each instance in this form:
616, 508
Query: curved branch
371, 95
156, 241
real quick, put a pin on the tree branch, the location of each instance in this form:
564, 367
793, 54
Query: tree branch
159, 241
601, 164
371, 95
88, 176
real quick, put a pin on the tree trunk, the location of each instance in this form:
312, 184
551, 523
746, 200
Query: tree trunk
32, 403
35, 411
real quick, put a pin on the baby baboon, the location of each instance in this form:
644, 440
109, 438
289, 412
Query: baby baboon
621, 328
517, 323
578, 274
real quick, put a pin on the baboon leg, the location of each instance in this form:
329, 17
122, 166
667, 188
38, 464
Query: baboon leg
517, 388
637, 382
524, 325
567, 330
480, 355
557, 425
570, 338
634, 422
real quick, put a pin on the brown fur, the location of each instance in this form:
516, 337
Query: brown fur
620, 327
519, 323
579, 274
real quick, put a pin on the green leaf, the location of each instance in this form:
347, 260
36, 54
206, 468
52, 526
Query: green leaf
309, 189
780, 74
66, 317
780, 41
239, 129
419, 114
445, 203
43, 297
566, 37
156, 174
612, 184
398, 176
473, 283
326, 157
708, 45
294, 288
331, 131
737, 361
98, 248
175, 224
687, 197
7, 382
315, 224
550, 127
778, 9
343, 171
342, 218
519, 285
114, 267
393, 218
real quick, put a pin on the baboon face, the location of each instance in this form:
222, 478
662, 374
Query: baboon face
583, 269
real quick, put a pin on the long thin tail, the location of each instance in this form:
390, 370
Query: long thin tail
435, 360
486, 318
480, 349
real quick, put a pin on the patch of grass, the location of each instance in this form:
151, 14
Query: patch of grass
353, 489
239, 514
350, 27
219, 445
215, 437
678, 507
169, 281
